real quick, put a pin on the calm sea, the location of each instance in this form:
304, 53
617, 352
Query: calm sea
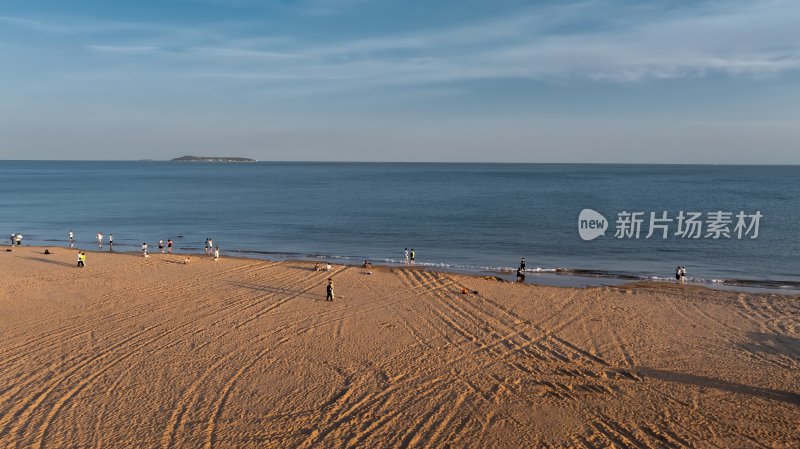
463, 217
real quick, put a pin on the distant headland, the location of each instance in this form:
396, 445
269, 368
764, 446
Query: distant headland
212, 159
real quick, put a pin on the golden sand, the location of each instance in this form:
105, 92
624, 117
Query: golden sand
155, 353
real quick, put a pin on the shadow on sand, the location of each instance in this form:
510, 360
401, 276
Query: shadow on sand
54, 262
273, 290
773, 344
719, 384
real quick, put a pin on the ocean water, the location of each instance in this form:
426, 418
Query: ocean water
463, 217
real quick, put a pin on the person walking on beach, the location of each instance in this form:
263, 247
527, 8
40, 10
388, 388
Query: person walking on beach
683, 274
111, 242
71, 238
405, 256
205, 249
13, 238
99, 240
81, 259
18, 237
210, 246
329, 290
169, 246
161, 246
678, 274
216, 253
144, 249
522, 264
412, 256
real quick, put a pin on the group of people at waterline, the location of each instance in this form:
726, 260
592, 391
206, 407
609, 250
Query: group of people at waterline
162, 247
209, 248
680, 274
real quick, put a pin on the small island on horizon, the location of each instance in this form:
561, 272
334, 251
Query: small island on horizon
212, 159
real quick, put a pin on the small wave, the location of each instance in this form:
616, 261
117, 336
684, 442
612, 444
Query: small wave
265, 253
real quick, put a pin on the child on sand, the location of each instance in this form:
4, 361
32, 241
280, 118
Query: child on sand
81, 260
216, 253
329, 290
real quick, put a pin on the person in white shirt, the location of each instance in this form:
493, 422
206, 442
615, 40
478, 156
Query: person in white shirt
99, 240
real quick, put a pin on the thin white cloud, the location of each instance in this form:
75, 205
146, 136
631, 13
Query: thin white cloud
754, 38
242, 53
746, 39
122, 49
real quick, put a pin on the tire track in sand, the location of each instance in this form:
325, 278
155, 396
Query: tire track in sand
25, 410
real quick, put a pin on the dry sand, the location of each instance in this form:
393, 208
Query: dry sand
152, 353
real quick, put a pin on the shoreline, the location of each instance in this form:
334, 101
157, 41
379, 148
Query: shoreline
548, 278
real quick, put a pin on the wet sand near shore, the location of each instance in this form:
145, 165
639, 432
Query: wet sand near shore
152, 352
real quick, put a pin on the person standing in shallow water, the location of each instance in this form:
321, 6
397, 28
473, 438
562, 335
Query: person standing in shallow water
216, 253
99, 240
329, 290
161, 246
169, 246
111, 242
405, 256
522, 264
71, 238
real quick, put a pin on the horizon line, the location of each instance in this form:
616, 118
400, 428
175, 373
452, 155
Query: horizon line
256, 161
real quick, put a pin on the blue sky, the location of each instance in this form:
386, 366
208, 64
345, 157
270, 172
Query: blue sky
380, 80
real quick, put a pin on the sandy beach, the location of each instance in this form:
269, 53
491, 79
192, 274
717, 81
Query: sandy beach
155, 353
